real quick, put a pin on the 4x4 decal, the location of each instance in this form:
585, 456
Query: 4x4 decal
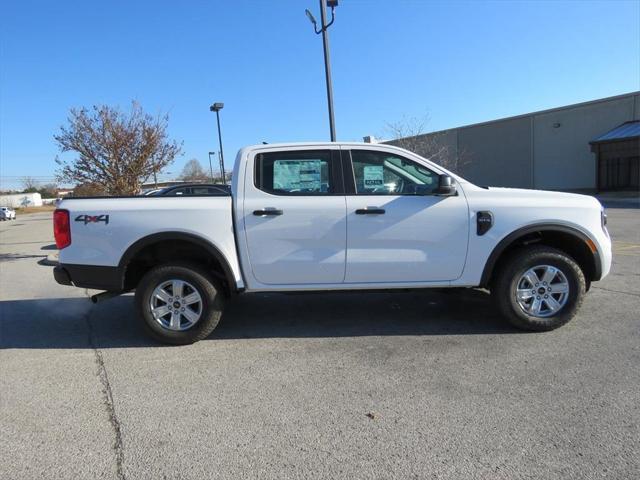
92, 219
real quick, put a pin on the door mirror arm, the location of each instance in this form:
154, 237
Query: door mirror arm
445, 187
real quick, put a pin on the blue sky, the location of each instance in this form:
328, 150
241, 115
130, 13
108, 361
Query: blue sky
458, 62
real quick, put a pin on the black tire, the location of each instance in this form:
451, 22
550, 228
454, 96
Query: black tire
514, 267
210, 292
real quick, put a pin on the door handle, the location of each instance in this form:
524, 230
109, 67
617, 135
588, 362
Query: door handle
370, 211
267, 211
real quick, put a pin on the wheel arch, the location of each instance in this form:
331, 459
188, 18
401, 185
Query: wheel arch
568, 239
137, 250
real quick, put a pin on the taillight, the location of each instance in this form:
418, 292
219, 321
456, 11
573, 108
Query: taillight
61, 228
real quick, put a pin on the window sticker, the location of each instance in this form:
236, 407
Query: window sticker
297, 175
373, 176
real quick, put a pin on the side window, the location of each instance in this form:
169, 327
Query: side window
306, 172
179, 192
381, 173
206, 191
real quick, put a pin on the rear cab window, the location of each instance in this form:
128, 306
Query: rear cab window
305, 172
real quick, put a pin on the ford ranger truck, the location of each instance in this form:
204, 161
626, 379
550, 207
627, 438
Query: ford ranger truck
334, 216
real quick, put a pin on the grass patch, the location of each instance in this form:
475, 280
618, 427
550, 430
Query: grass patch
43, 208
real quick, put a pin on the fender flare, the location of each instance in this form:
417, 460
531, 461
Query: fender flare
542, 227
144, 242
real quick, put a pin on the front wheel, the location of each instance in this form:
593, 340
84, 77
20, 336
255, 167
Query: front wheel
179, 304
539, 288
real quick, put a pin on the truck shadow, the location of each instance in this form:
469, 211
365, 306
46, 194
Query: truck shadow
69, 323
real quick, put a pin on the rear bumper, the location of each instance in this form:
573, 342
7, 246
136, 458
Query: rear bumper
96, 277
61, 275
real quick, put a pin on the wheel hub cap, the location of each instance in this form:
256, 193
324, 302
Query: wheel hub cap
542, 291
176, 305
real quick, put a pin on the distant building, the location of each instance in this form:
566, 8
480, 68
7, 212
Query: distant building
19, 200
587, 146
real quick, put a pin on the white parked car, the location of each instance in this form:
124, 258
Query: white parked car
7, 213
334, 216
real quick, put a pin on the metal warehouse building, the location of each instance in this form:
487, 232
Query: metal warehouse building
587, 146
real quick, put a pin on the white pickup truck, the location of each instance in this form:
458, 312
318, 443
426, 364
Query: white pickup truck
334, 216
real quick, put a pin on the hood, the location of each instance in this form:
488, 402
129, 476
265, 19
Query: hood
545, 196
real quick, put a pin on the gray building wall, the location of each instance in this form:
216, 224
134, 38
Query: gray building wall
546, 150
562, 155
497, 154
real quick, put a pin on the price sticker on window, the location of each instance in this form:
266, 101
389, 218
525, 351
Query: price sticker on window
373, 176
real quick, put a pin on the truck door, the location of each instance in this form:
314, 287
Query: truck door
398, 231
295, 217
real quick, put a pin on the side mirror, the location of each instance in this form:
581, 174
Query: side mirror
445, 187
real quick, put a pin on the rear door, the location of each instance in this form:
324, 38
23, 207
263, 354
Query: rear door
294, 216
398, 230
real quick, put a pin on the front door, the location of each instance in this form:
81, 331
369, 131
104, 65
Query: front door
398, 231
295, 217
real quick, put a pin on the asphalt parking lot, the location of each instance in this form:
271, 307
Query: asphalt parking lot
402, 385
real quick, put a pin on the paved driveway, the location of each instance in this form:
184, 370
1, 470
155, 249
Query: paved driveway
403, 385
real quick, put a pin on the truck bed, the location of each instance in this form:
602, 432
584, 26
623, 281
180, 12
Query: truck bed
104, 228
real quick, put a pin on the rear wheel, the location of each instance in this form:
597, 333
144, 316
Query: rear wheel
179, 303
539, 288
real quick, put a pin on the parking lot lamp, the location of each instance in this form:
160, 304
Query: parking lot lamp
216, 107
211, 165
327, 62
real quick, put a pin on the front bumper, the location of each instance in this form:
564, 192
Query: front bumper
606, 255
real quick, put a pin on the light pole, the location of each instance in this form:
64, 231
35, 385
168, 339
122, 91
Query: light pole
216, 107
211, 166
327, 61
155, 177
222, 172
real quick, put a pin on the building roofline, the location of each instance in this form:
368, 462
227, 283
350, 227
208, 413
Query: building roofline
525, 115
604, 138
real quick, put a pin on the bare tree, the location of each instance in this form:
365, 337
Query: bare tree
409, 133
193, 172
116, 151
29, 184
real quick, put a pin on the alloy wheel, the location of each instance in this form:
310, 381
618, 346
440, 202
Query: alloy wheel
542, 291
176, 305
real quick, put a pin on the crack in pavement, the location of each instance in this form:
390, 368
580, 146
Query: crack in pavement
617, 291
118, 446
